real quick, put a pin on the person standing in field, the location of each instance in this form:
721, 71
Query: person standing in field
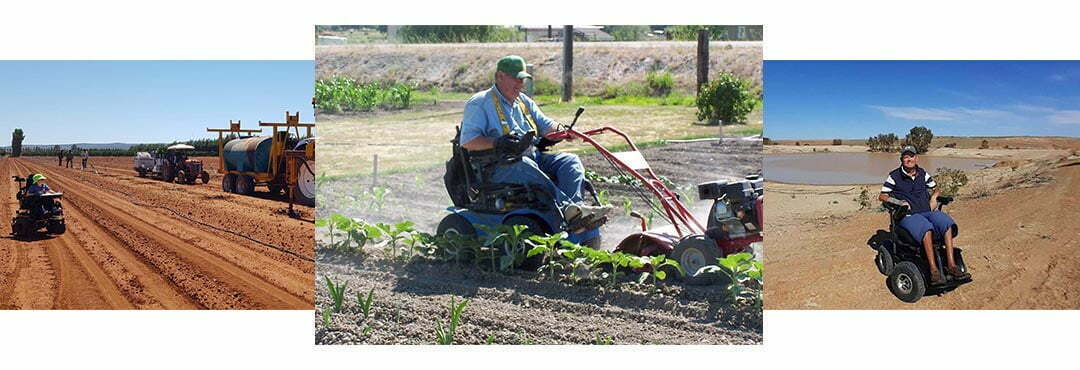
85, 156
60, 158
69, 156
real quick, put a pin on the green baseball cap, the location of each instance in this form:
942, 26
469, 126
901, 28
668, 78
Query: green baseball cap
513, 65
38, 177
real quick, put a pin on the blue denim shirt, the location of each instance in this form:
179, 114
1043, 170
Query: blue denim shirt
914, 189
481, 119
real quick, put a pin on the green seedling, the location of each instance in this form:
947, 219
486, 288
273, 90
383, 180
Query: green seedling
446, 336
658, 263
490, 339
628, 207
378, 197
548, 248
605, 340
337, 293
744, 274
601, 196
365, 304
326, 318
367, 331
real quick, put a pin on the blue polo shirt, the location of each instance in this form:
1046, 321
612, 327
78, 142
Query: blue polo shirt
481, 119
914, 189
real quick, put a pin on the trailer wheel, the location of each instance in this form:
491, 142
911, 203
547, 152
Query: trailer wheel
692, 253
275, 190
181, 177
228, 183
19, 227
304, 192
245, 185
205, 177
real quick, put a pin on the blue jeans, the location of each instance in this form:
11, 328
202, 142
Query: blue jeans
918, 224
539, 168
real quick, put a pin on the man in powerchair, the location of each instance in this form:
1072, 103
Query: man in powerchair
911, 185
503, 123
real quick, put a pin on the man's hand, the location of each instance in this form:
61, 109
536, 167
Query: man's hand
514, 145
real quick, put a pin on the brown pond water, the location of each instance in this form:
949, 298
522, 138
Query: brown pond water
852, 168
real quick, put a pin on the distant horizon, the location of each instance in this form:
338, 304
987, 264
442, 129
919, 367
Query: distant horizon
952, 98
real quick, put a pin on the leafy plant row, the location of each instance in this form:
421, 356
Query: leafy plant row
341, 94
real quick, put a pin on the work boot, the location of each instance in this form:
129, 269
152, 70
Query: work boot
936, 278
575, 211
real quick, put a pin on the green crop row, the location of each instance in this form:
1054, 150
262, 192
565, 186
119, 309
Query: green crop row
341, 94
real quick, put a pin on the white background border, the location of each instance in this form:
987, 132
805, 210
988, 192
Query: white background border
284, 30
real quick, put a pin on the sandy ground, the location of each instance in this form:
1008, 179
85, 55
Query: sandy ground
1017, 229
469, 67
135, 243
517, 308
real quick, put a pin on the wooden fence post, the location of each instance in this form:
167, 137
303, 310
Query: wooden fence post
568, 64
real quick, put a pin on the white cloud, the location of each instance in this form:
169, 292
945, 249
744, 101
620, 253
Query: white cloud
942, 114
1065, 117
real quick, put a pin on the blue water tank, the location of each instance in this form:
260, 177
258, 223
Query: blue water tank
248, 154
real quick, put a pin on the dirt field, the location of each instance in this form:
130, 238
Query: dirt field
134, 243
1017, 225
517, 308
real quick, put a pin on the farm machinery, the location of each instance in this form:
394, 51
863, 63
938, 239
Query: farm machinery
283, 161
37, 211
171, 165
734, 224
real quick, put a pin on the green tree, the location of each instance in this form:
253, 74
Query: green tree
16, 142
726, 99
920, 138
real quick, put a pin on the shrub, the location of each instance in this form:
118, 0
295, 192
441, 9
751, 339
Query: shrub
659, 83
950, 181
985, 145
837, 142
726, 99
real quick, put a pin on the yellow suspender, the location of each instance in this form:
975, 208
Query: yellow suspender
502, 116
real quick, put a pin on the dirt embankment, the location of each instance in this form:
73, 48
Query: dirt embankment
1017, 229
135, 243
517, 308
469, 67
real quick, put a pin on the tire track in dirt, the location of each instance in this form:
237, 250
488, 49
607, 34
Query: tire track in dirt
240, 278
132, 282
257, 217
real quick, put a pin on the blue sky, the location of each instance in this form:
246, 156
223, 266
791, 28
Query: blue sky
61, 102
859, 99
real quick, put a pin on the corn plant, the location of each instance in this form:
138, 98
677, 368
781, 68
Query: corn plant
744, 275
337, 292
657, 273
628, 207
365, 304
601, 196
326, 318
394, 234
446, 336
378, 197
509, 241
548, 248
